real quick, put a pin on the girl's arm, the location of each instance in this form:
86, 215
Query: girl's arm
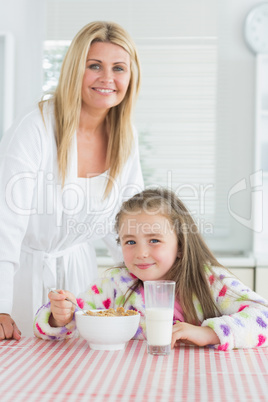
193, 335
43, 326
244, 314
62, 311
56, 320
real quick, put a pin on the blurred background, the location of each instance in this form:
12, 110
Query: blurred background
202, 114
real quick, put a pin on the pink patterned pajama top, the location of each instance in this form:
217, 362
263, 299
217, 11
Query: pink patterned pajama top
243, 320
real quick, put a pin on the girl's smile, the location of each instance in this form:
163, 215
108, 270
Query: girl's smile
149, 244
145, 266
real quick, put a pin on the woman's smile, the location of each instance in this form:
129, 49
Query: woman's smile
104, 91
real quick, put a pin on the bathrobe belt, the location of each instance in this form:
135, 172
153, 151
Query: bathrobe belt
45, 272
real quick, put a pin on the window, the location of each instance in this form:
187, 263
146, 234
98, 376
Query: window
175, 118
194, 123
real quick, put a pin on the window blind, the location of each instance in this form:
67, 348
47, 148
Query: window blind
175, 117
176, 120
196, 126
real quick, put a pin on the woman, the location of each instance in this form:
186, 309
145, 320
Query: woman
65, 169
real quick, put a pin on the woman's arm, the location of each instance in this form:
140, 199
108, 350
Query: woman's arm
20, 158
8, 328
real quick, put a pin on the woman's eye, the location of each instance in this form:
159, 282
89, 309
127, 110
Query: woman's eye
118, 68
154, 241
94, 66
130, 242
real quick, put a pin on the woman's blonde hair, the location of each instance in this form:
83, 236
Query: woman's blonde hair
68, 98
189, 269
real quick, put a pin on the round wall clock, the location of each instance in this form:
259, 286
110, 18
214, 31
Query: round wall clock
256, 28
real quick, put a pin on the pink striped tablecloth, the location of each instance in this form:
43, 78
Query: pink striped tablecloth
37, 370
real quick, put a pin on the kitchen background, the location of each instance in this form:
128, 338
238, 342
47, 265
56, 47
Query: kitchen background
202, 129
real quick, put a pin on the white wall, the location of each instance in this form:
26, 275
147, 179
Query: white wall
236, 114
25, 20
142, 18
236, 95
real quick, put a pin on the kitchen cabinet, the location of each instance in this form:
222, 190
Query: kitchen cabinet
262, 281
245, 275
253, 272
261, 276
243, 267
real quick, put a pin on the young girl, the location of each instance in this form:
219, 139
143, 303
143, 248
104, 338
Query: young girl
160, 240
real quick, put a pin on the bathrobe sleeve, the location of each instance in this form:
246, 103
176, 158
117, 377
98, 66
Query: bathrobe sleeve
243, 320
107, 292
103, 294
21, 151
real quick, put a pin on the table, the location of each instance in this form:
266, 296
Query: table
37, 370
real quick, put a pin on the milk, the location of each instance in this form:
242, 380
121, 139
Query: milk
159, 326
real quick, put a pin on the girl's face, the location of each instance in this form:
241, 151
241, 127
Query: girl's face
149, 245
106, 78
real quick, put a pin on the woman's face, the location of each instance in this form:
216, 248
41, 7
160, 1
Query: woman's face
106, 78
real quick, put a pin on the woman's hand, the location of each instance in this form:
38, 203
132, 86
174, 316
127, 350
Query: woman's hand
61, 309
194, 335
8, 328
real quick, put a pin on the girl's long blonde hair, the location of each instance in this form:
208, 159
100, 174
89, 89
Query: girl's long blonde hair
67, 97
188, 271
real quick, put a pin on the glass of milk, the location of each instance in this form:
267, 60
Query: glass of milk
159, 310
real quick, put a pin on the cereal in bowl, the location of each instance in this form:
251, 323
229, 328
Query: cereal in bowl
111, 312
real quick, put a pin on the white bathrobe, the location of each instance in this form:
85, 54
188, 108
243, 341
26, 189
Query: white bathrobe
46, 231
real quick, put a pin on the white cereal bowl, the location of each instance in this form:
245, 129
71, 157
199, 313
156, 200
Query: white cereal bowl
107, 333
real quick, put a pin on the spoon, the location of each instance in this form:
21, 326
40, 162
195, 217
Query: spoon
67, 298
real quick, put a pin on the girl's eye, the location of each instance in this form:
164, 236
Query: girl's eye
154, 241
130, 242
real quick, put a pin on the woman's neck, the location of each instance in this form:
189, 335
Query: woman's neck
92, 123
92, 144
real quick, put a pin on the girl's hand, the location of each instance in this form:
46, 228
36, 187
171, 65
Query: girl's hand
8, 328
61, 309
194, 335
